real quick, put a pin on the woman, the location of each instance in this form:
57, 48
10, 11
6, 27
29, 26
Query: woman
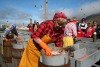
83, 24
70, 33
89, 30
80, 33
95, 24
48, 31
10, 32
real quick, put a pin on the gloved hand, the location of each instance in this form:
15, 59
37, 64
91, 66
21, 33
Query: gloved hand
19, 38
47, 49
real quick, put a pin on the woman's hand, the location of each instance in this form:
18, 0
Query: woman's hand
19, 38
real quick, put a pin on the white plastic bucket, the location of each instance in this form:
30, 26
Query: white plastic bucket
56, 60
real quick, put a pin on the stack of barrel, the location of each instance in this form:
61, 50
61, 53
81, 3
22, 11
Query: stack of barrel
13, 50
18, 48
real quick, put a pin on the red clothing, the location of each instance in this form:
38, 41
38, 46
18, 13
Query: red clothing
80, 33
89, 31
46, 27
70, 29
31, 29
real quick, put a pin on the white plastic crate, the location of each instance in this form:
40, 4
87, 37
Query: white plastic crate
89, 41
89, 60
92, 56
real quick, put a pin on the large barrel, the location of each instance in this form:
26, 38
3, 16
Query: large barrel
7, 52
25, 37
17, 52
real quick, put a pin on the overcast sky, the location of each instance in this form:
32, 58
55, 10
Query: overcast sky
20, 11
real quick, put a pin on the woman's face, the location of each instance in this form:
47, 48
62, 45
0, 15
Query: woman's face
79, 28
89, 24
58, 26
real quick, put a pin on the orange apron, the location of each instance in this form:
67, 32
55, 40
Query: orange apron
31, 53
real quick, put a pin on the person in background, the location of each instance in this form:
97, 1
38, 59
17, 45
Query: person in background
76, 22
83, 24
89, 30
68, 21
95, 24
35, 26
98, 31
10, 32
30, 26
48, 31
80, 33
70, 33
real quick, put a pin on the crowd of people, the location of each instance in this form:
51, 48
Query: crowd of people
86, 29
83, 28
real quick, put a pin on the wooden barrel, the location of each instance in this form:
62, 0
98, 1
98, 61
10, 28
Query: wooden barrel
17, 51
15, 62
7, 52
